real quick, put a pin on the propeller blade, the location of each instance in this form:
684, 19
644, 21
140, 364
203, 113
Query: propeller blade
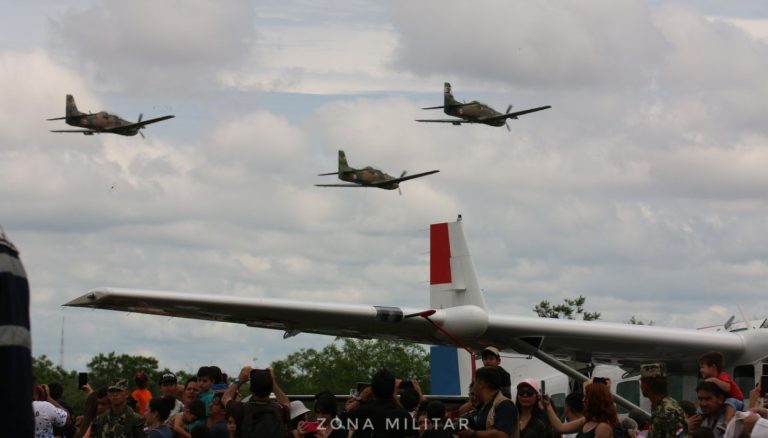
403, 174
509, 108
399, 191
142, 134
507, 125
142, 115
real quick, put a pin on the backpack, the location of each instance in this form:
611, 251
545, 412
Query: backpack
263, 420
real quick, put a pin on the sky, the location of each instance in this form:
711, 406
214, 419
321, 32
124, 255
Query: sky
642, 189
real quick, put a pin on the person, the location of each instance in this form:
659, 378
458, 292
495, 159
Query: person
600, 417
498, 417
191, 391
96, 403
711, 366
533, 422
48, 413
492, 358
712, 407
259, 416
57, 393
298, 414
119, 421
382, 416
193, 416
433, 423
573, 409
168, 390
158, 410
206, 377
15, 351
141, 394
667, 417
217, 418
325, 412
231, 426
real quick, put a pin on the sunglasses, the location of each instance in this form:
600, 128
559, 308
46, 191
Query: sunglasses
526, 393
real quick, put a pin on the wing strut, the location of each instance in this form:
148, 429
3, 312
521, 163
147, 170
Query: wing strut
426, 314
521, 346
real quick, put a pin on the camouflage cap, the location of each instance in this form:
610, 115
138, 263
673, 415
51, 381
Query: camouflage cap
118, 384
652, 370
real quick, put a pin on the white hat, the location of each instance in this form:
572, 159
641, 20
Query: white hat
297, 408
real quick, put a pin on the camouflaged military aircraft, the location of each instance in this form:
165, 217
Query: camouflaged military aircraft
475, 112
368, 176
102, 122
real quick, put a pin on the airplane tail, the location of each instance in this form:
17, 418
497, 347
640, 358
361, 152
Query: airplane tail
343, 165
448, 99
453, 281
71, 108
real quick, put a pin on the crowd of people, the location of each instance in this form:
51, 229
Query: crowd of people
206, 406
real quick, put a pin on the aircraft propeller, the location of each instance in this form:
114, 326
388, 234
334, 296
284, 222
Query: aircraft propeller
506, 123
141, 133
398, 185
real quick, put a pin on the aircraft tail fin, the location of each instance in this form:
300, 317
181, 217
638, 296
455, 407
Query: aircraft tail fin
343, 165
453, 281
71, 108
448, 99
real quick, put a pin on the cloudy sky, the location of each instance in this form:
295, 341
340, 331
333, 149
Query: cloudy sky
643, 188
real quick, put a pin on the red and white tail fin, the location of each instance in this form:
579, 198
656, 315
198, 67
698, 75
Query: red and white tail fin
453, 281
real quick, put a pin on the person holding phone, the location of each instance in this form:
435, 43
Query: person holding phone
533, 419
600, 416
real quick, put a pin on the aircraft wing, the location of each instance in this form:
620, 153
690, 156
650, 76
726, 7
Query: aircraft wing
136, 125
454, 121
514, 114
405, 178
339, 185
79, 131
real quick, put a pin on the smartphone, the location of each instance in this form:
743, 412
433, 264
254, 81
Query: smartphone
311, 426
763, 385
406, 384
543, 387
82, 380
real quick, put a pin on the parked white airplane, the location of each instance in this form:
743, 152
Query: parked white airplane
457, 315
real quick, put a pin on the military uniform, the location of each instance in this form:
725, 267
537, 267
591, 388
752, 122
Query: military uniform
126, 424
667, 417
668, 420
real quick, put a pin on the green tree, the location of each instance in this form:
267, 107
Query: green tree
570, 309
103, 368
633, 320
340, 365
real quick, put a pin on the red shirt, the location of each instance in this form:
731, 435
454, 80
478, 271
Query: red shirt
735, 391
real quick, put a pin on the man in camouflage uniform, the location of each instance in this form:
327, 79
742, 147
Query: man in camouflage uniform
119, 421
667, 418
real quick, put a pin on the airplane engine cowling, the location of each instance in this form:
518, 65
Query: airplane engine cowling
464, 322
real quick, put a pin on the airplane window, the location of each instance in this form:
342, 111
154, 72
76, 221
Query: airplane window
744, 376
630, 391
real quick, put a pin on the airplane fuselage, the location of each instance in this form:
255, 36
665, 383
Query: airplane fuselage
475, 111
100, 122
367, 177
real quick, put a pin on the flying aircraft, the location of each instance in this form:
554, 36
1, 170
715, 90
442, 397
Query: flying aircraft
102, 122
457, 316
368, 176
475, 112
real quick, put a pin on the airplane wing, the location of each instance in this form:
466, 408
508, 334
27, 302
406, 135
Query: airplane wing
136, 125
79, 131
456, 105
340, 185
405, 178
454, 121
514, 114
457, 306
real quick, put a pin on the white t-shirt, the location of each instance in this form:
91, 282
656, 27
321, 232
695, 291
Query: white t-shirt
47, 416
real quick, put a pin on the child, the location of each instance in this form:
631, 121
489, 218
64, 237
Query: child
711, 369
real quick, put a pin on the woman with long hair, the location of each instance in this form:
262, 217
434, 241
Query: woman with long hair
599, 413
533, 419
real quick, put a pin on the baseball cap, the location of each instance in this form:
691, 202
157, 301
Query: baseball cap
118, 385
532, 383
168, 378
651, 370
490, 349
